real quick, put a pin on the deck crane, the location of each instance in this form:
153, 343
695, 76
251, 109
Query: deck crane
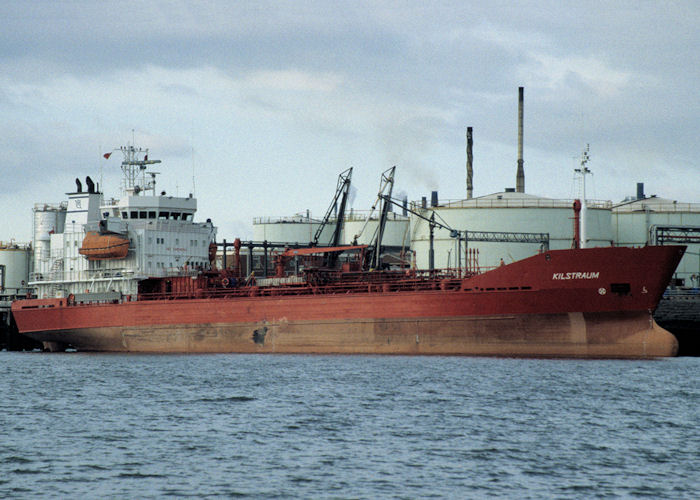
341, 193
386, 186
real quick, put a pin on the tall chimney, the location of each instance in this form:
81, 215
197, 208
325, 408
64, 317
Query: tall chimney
640, 190
520, 178
470, 171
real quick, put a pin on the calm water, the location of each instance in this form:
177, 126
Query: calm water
140, 426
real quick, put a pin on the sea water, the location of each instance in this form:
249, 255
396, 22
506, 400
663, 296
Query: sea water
79, 425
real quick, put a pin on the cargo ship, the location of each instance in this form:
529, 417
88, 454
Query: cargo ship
586, 303
579, 302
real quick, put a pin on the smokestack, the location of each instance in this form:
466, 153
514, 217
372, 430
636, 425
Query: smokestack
434, 199
520, 177
470, 171
640, 190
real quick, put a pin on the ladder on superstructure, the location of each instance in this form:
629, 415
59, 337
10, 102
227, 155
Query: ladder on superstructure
56, 274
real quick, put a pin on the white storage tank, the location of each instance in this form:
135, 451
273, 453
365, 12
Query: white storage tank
14, 267
508, 211
301, 229
396, 230
292, 229
48, 219
636, 223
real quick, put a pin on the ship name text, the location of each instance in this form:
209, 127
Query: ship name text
576, 276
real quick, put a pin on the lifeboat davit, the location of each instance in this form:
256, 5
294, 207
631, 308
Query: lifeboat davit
104, 246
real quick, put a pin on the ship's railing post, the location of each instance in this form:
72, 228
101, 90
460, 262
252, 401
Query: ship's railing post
265, 259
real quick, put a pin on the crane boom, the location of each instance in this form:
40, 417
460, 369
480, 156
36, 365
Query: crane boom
341, 192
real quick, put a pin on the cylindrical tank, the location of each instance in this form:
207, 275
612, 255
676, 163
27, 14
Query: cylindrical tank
47, 218
504, 212
636, 223
396, 231
302, 230
295, 229
14, 267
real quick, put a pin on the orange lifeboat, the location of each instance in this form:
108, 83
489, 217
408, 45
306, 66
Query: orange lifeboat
105, 246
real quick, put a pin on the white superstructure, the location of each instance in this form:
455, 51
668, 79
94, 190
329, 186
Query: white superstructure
163, 238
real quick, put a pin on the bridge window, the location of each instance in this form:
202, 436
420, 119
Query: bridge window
134, 214
152, 214
163, 215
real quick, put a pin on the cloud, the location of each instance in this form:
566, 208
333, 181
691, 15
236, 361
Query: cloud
509, 39
293, 80
557, 73
270, 119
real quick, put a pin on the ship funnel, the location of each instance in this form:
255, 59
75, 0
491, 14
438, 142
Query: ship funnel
434, 199
640, 191
79, 185
520, 177
470, 170
90, 184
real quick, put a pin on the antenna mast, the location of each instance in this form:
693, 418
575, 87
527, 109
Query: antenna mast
583, 171
134, 170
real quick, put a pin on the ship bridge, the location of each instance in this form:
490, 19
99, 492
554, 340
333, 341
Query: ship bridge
153, 207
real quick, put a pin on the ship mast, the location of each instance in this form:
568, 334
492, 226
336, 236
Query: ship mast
134, 170
583, 171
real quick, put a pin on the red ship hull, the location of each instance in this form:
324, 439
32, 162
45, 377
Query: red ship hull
563, 303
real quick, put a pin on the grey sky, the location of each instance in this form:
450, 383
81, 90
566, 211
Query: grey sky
264, 103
